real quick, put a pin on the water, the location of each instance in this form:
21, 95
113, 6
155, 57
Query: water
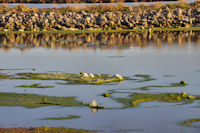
88, 4
175, 54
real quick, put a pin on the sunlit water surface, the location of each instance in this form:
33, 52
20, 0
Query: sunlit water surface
167, 57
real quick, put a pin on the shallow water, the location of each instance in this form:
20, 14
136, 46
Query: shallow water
168, 57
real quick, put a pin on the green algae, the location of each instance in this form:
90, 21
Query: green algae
181, 83
145, 77
46, 129
35, 86
105, 31
65, 130
142, 75
34, 101
190, 122
72, 78
136, 98
62, 118
5, 76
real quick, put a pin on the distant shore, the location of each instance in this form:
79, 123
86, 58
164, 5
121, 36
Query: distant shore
101, 18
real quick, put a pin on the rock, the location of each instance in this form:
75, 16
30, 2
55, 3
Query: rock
198, 10
178, 12
20, 30
54, 20
183, 94
106, 94
169, 15
183, 83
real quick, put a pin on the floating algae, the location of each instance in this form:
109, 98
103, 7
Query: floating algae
181, 83
62, 118
46, 129
82, 78
142, 75
35, 86
136, 98
4, 76
145, 77
34, 101
190, 123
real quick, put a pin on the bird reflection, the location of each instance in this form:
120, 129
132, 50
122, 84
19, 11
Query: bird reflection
94, 110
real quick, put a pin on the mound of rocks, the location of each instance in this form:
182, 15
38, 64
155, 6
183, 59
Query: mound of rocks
52, 20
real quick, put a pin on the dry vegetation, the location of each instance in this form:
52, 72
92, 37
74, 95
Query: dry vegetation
99, 8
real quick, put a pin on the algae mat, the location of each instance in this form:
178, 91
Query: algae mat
82, 78
34, 101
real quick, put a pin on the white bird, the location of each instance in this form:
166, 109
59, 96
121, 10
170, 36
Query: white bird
85, 75
118, 76
91, 75
93, 104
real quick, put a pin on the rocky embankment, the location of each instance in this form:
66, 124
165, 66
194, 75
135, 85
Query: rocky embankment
22, 19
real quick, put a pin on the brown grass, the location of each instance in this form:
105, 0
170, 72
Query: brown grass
98, 8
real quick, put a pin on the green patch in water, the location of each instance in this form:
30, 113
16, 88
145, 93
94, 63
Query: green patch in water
181, 83
190, 123
4, 76
65, 130
35, 86
82, 78
47, 129
62, 118
136, 98
34, 101
145, 77
142, 75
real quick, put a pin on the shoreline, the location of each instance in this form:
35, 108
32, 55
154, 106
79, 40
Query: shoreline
100, 18
106, 31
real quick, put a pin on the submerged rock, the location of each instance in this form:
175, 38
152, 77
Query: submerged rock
183, 83
106, 94
183, 94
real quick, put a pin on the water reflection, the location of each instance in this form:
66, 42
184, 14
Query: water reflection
104, 41
94, 110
